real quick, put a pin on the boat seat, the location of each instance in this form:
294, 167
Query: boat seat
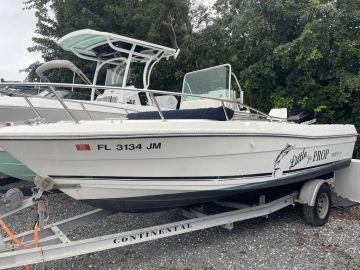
202, 113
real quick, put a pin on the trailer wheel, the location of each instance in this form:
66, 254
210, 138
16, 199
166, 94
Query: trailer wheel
318, 215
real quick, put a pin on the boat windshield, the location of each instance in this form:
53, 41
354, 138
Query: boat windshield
209, 82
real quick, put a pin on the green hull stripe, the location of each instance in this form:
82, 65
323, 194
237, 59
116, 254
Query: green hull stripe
14, 168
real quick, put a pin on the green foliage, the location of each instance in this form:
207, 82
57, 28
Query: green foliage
280, 99
286, 53
30, 70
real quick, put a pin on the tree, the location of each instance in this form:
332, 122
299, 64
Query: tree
31, 71
298, 54
135, 18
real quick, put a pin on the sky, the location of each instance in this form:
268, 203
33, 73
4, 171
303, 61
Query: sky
17, 27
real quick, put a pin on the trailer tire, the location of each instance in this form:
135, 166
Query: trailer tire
318, 215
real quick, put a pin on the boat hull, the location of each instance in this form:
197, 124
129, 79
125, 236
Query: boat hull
150, 172
141, 204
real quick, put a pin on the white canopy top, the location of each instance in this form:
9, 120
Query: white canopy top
95, 45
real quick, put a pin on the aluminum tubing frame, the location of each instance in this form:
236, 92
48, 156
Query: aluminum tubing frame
81, 247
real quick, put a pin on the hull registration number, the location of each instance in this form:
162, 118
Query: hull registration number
129, 147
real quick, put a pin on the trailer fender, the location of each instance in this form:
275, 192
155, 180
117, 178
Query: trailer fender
309, 190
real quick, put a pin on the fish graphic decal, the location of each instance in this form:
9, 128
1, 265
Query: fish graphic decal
281, 155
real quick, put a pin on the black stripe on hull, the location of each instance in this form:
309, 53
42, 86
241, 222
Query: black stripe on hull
169, 201
157, 178
182, 178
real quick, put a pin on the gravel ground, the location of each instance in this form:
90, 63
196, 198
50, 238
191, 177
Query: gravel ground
283, 241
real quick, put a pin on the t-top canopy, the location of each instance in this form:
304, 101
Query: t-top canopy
94, 45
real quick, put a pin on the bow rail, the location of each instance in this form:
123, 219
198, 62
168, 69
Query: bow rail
149, 91
82, 103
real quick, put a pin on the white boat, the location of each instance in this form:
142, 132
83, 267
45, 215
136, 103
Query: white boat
137, 165
167, 159
94, 46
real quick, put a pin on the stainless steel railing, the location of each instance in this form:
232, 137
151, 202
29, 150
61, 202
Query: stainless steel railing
62, 102
151, 93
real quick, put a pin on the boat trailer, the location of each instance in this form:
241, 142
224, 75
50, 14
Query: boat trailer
53, 244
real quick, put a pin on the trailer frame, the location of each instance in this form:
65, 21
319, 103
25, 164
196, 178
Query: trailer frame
55, 245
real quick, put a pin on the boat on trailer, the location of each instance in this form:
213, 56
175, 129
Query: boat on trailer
50, 242
210, 150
